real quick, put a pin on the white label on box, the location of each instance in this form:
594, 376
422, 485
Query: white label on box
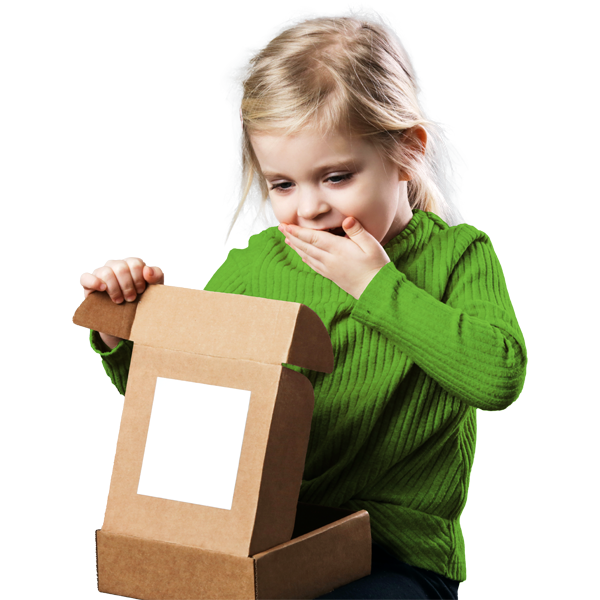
194, 442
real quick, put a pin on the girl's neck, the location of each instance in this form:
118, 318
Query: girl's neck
402, 217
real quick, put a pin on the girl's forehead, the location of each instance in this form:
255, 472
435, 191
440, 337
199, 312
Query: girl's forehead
308, 141
307, 152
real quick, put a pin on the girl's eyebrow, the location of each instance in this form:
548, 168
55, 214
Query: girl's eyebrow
341, 165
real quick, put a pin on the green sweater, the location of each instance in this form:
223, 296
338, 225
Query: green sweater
433, 337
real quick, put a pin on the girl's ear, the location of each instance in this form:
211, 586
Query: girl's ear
422, 136
417, 138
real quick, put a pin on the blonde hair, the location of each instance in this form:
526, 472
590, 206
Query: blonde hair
344, 74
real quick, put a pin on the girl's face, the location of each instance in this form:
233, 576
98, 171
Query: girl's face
317, 182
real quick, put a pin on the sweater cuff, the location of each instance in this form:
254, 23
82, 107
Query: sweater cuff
116, 361
388, 277
102, 349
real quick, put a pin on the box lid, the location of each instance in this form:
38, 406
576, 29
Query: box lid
228, 340
224, 325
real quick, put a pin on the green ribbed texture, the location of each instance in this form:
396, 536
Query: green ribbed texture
433, 337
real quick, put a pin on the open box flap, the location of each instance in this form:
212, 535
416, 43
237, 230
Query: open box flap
224, 325
100, 313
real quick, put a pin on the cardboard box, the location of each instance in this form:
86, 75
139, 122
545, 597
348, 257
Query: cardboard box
203, 500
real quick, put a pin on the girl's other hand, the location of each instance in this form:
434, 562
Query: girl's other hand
351, 262
122, 279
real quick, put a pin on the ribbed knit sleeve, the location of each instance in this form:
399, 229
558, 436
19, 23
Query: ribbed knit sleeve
469, 341
115, 361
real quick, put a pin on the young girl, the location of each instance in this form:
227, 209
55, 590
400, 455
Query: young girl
419, 315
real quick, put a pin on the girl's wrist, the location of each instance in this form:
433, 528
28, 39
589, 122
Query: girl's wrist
110, 341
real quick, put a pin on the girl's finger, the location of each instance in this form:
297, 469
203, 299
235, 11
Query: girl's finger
125, 279
91, 283
154, 275
113, 287
136, 268
305, 242
314, 257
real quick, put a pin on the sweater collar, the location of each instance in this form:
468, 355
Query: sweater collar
410, 235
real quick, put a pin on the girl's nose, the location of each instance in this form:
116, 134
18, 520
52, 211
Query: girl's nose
311, 204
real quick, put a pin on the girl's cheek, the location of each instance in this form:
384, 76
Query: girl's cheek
351, 205
285, 218
356, 197
281, 214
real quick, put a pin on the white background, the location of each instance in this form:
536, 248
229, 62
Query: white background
563, 299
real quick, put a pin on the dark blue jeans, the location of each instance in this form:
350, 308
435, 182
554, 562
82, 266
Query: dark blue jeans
391, 578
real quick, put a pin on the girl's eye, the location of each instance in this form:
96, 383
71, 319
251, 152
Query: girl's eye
345, 177
340, 179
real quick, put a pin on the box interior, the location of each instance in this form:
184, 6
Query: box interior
310, 517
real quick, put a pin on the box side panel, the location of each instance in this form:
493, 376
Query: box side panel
316, 563
284, 462
149, 570
130, 513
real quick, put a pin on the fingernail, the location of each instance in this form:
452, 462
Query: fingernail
151, 271
351, 223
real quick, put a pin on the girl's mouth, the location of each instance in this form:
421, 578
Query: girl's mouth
337, 231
